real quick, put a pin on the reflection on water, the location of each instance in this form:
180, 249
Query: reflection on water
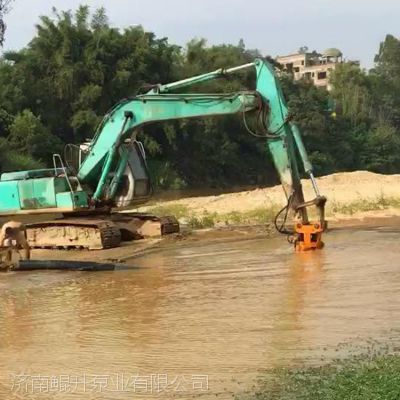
216, 312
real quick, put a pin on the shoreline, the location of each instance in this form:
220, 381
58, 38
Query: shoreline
128, 251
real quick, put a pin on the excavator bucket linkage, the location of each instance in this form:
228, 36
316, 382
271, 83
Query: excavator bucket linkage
308, 236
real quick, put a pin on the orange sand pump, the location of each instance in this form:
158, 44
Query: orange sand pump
306, 235
309, 237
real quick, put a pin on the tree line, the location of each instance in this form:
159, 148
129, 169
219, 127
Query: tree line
58, 88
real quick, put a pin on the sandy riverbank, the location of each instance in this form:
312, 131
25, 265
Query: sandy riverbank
350, 195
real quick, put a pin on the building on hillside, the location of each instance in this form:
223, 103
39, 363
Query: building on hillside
313, 66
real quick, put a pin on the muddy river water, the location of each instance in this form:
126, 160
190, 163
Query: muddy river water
199, 321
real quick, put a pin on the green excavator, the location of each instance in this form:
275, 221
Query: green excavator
97, 179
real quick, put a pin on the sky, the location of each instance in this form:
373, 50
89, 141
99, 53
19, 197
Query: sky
276, 27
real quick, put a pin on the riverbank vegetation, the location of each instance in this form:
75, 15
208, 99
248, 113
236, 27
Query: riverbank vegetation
197, 219
260, 215
57, 89
372, 377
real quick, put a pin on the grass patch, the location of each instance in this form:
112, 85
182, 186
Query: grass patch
260, 215
380, 203
182, 212
198, 219
204, 221
254, 217
375, 377
176, 210
201, 220
266, 215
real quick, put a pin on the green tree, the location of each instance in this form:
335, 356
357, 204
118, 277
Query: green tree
29, 136
382, 151
4, 9
385, 80
352, 92
12, 160
59, 87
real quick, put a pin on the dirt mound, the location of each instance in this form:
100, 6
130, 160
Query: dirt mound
350, 185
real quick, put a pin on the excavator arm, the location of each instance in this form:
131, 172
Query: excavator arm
103, 168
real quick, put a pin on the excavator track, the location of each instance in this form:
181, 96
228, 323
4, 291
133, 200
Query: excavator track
110, 237
98, 231
70, 233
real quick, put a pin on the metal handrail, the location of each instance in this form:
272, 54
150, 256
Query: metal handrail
141, 148
55, 157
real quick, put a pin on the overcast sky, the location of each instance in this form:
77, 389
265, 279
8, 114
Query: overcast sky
275, 27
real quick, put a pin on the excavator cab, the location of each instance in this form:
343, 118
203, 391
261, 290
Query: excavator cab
134, 185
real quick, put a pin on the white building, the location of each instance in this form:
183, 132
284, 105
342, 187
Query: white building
312, 66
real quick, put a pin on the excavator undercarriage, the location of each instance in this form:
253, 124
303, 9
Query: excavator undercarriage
98, 231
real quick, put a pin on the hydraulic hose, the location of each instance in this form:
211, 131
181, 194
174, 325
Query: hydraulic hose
64, 265
281, 228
